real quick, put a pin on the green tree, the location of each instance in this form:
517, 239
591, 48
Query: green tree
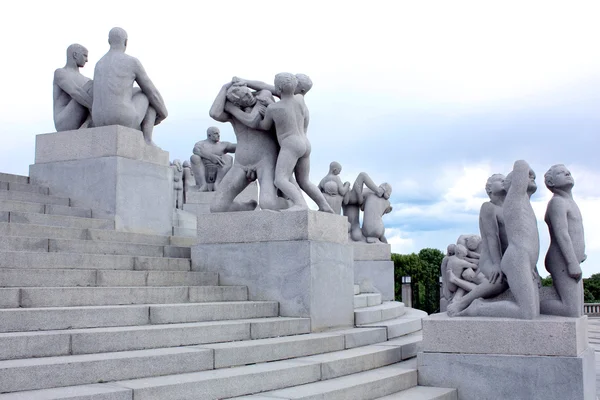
591, 288
424, 271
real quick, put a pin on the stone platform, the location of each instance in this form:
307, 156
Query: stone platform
501, 358
300, 259
199, 202
110, 169
373, 270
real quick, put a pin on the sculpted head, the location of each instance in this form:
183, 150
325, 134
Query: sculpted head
387, 190
77, 54
304, 84
213, 134
335, 168
117, 38
451, 250
186, 164
473, 242
286, 83
531, 187
177, 163
495, 185
558, 176
241, 96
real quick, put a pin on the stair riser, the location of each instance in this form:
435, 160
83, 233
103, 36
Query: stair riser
26, 187
102, 370
14, 178
32, 198
60, 221
212, 312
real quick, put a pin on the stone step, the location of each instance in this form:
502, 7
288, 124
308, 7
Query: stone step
51, 372
60, 221
411, 344
14, 278
54, 318
367, 300
31, 297
83, 392
133, 249
356, 289
13, 178
33, 197
41, 231
385, 311
363, 385
27, 260
24, 187
40, 208
125, 338
423, 393
408, 323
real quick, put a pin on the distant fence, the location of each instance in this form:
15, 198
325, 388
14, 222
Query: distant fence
591, 308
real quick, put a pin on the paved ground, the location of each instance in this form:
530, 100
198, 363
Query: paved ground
594, 337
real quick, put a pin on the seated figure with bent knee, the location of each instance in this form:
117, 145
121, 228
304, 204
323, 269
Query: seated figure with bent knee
210, 162
116, 101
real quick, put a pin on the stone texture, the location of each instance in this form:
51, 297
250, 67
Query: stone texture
363, 336
408, 323
62, 220
275, 327
200, 294
9, 298
382, 312
308, 278
423, 393
106, 141
544, 336
13, 178
21, 277
196, 312
375, 275
372, 251
267, 226
12, 205
27, 187
33, 344
33, 198
515, 377
138, 194
81, 392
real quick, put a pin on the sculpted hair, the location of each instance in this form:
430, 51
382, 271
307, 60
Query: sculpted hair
117, 36
549, 176
285, 80
488, 184
75, 47
234, 94
304, 83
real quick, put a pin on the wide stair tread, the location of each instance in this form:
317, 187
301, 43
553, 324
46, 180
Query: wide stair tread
16, 217
24, 206
385, 311
407, 323
51, 318
423, 393
65, 342
32, 197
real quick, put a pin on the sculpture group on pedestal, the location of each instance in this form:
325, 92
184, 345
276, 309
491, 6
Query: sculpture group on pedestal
111, 98
373, 201
509, 251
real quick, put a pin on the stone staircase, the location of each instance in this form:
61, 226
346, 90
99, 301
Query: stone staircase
89, 313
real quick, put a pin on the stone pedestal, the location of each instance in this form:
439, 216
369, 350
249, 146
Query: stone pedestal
110, 170
199, 202
373, 269
300, 259
501, 358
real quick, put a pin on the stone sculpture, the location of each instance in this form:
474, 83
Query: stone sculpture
353, 202
518, 264
72, 92
374, 207
188, 179
462, 276
333, 189
210, 160
256, 150
177, 184
116, 101
290, 120
567, 246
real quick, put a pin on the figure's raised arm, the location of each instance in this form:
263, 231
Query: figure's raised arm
250, 119
154, 97
217, 110
520, 177
257, 85
68, 86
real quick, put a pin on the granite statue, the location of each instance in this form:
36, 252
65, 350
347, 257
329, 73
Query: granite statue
567, 245
374, 208
290, 120
256, 150
518, 264
72, 92
353, 201
333, 189
473, 245
116, 101
493, 245
188, 179
177, 184
210, 160
461, 275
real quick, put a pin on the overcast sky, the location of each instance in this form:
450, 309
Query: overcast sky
432, 97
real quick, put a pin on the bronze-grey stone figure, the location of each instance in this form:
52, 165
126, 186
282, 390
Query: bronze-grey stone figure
332, 187
567, 245
72, 92
116, 101
210, 160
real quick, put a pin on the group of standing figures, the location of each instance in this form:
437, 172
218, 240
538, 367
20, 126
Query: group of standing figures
477, 272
